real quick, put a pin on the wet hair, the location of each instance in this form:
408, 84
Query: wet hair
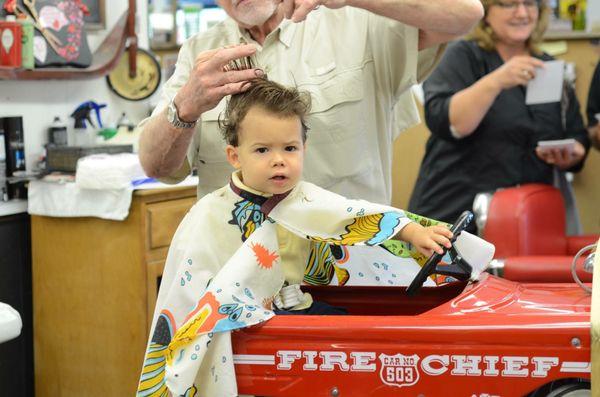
273, 97
484, 36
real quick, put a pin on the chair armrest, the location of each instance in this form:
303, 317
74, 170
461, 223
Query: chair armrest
543, 269
575, 243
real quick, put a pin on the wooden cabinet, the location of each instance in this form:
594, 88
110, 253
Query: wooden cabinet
94, 289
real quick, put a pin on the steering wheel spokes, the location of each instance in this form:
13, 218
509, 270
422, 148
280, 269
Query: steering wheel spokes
458, 268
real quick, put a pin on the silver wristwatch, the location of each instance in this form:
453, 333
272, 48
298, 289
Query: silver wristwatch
173, 117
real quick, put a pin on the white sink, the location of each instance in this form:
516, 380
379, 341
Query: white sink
10, 323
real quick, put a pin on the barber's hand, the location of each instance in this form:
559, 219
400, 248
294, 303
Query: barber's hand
297, 10
426, 239
210, 80
562, 158
595, 135
517, 71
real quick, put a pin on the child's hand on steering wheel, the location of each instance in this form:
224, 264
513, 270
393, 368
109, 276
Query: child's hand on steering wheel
426, 240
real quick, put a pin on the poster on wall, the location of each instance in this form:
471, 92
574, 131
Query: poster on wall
59, 37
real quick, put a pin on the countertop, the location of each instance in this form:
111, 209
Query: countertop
13, 207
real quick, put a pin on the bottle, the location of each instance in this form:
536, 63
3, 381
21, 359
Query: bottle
579, 20
124, 126
10, 42
127, 134
84, 136
57, 133
191, 14
27, 59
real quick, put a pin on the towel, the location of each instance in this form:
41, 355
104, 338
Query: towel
108, 171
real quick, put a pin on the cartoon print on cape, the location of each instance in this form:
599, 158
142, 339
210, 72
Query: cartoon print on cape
231, 300
247, 216
327, 259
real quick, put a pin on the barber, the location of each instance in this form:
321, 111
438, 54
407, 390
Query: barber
357, 58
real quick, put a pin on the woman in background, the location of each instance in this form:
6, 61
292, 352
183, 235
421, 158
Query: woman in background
483, 135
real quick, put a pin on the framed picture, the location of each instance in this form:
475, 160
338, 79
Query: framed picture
97, 18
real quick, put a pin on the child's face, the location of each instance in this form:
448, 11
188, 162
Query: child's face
270, 151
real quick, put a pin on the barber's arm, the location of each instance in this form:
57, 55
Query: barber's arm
438, 20
166, 136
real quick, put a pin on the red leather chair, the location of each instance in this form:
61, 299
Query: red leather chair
527, 226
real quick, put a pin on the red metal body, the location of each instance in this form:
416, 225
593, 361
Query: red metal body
494, 337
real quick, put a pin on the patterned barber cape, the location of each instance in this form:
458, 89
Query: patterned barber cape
223, 270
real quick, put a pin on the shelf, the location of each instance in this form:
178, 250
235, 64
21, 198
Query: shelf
574, 35
104, 59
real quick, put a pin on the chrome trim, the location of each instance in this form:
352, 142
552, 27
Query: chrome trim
481, 207
496, 267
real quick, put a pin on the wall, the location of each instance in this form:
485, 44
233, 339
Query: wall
39, 101
409, 148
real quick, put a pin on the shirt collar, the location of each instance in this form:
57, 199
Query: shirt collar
266, 201
236, 180
285, 32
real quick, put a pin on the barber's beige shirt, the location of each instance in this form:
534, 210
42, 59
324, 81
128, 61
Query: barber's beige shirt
356, 65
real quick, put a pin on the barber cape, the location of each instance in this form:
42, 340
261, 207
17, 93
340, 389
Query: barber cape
223, 271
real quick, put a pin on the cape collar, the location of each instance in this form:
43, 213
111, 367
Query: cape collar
266, 201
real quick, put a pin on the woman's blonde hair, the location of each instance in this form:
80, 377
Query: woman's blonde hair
484, 36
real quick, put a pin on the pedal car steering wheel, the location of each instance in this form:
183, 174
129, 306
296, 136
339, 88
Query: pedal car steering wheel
430, 266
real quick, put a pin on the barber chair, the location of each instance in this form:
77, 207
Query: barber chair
527, 226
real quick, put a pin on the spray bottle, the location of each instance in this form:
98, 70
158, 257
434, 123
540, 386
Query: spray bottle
125, 133
85, 136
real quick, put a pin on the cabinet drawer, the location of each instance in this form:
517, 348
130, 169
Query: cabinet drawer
163, 218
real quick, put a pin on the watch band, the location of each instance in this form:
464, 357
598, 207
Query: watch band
173, 117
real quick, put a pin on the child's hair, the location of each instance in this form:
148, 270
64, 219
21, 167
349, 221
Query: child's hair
269, 95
